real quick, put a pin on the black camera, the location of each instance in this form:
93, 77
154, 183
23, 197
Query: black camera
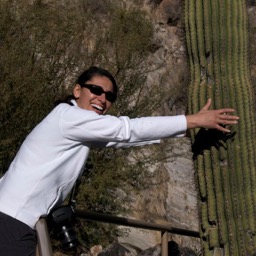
61, 220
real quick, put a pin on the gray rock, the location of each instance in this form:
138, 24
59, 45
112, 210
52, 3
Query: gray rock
115, 249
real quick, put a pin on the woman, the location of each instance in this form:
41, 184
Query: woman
53, 155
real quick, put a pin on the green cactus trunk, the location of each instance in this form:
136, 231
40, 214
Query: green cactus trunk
217, 42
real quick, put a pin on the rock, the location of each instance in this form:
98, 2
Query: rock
187, 252
116, 249
95, 250
153, 251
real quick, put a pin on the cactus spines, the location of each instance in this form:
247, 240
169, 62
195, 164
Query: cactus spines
217, 39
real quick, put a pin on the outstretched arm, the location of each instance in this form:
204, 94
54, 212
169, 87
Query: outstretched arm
206, 118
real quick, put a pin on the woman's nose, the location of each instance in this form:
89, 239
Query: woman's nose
102, 97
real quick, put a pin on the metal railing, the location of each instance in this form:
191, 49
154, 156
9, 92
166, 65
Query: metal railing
44, 245
164, 229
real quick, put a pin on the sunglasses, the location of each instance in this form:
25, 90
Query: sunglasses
97, 90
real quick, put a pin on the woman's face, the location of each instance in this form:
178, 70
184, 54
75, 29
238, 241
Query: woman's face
87, 100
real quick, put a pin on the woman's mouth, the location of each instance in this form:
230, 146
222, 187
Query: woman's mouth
99, 109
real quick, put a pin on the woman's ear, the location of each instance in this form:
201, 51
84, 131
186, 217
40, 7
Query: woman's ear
77, 91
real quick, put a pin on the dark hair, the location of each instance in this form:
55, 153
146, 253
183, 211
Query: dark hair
96, 71
67, 100
87, 75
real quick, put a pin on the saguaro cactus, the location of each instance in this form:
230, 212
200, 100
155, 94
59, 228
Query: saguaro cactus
217, 43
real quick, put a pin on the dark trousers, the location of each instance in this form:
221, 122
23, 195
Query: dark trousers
16, 238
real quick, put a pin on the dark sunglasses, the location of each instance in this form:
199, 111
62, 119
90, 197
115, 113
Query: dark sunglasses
97, 90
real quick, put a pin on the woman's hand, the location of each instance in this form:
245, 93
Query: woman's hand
215, 119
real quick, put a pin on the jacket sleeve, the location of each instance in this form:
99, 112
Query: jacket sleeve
87, 126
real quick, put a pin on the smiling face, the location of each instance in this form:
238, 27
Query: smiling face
87, 100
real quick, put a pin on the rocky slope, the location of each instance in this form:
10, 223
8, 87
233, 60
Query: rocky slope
174, 199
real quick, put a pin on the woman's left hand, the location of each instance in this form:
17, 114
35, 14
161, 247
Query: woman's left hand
215, 119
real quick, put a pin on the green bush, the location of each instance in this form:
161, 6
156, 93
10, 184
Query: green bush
43, 47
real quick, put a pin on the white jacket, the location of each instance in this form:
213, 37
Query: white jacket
53, 155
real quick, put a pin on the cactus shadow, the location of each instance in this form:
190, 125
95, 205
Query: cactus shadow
205, 139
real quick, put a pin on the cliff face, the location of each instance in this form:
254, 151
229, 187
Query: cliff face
174, 199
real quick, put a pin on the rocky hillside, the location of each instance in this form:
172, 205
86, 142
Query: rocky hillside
174, 199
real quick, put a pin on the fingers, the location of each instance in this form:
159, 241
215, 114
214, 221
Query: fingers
227, 122
225, 110
225, 119
228, 118
222, 129
207, 105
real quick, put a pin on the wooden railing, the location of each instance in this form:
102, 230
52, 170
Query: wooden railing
44, 245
